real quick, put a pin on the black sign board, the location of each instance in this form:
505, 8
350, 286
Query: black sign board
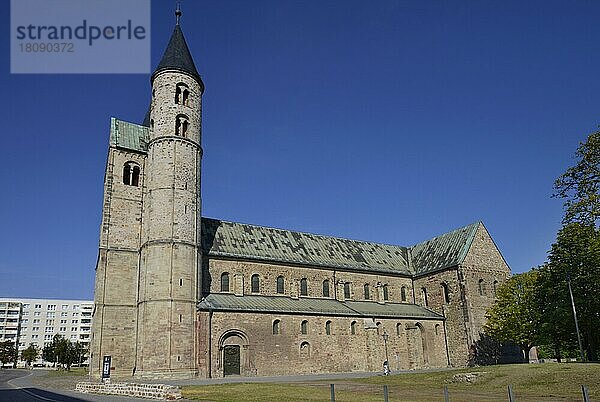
106, 367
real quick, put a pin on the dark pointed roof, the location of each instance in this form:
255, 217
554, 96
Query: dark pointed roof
177, 56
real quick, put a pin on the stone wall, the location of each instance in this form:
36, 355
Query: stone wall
241, 272
150, 391
411, 344
115, 293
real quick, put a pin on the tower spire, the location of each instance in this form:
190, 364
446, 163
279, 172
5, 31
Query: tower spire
178, 12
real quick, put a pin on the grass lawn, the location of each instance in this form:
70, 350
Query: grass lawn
533, 382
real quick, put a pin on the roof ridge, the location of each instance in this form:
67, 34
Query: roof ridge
445, 233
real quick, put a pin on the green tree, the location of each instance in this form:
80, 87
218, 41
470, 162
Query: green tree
515, 316
577, 253
30, 354
579, 186
8, 352
63, 352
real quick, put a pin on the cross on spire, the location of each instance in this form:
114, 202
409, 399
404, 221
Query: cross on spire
178, 12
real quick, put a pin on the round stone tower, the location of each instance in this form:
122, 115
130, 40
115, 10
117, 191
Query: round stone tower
170, 257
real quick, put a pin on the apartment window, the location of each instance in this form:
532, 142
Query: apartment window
25, 313
49, 329
36, 321
51, 315
73, 329
75, 306
49, 322
74, 321
26, 305
63, 321
65, 306
35, 329
24, 321
62, 329
75, 314
73, 337
23, 329
38, 306
34, 336
36, 313
51, 306
47, 337
64, 314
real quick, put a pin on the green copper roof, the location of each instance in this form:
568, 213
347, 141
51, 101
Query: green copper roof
229, 239
283, 304
128, 135
238, 240
443, 251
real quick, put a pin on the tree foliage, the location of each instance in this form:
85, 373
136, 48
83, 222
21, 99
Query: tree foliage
579, 186
63, 352
515, 317
8, 352
30, 354
577, 253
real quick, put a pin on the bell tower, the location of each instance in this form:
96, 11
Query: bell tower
170, 253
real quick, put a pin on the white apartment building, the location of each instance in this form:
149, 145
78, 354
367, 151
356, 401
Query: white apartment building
36, 321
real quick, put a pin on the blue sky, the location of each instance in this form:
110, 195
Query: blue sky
387, 121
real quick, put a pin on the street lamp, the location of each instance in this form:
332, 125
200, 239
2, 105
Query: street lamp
385, 339
575, 316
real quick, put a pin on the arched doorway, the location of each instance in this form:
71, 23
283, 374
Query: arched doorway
233, 347
424, 344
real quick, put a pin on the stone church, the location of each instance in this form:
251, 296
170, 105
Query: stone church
181, 295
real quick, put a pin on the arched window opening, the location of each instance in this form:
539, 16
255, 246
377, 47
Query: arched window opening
347, 290
303, 287
495, 286
304, 327
304, 350
403, 293
276, 327
437, 329
224, 282
326, 288
379, 328
481, 288
424, 295
280, 285
386, 294
328, 328
181, 125
255, 283
353, 328
152, 123
131, 174
367, 292
446, 293
398, 329
182, 94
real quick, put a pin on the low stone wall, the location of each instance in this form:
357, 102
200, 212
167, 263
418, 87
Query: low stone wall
150, 391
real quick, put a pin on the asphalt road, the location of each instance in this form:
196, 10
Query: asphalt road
16, 386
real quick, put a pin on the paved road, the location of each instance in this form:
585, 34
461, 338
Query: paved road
17, 386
